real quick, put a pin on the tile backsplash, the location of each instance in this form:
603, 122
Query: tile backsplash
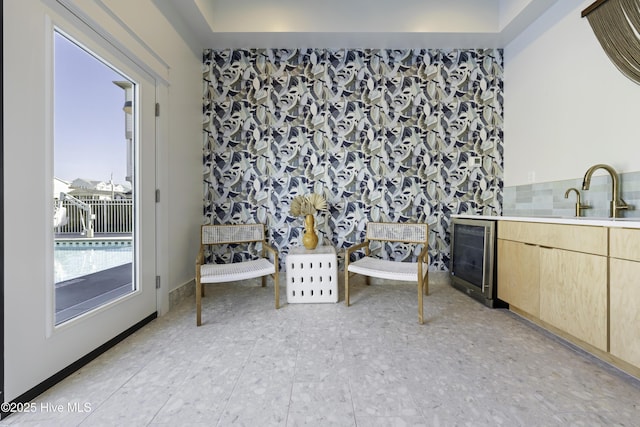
548, 198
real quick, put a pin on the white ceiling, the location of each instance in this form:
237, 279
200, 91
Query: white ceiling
220, 24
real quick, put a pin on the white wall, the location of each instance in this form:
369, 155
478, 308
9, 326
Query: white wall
509, 9
180, 166
566, 105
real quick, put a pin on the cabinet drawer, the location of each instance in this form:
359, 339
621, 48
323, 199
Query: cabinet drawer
525, 232
578, 238
624, 243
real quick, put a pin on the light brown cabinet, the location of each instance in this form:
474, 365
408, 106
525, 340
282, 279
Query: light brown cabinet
579, 238
558, 274
573, 294
624, 294
519, 275
580, 281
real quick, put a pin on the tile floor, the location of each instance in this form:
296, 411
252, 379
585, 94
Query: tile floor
370, 364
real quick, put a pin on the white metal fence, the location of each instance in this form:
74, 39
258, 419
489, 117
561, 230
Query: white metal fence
110, 217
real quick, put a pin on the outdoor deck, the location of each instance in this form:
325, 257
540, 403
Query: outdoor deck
82, 294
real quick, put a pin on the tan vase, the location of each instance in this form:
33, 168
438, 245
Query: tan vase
310, 238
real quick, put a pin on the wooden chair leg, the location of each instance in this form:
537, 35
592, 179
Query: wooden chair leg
264, 281
426, 283
277, 289
199, 294
420, 302
346, 287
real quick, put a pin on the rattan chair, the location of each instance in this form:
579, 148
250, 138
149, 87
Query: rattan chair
369, 266
230, 272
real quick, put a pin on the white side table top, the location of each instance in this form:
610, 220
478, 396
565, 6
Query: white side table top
319, 250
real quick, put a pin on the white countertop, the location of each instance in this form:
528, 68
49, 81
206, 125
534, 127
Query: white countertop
597, 222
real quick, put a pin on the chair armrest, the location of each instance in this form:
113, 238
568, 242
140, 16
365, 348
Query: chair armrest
266, 246
424, 254
354, 248
200, 257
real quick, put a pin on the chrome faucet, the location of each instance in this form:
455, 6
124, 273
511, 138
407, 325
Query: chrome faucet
579, 206
616, 203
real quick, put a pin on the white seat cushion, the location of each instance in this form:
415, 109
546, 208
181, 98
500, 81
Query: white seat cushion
385, 269
218, 273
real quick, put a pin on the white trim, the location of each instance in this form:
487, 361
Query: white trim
49, 286
99, 17
162, 208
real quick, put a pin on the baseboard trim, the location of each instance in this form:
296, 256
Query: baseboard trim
62, 374
177, 295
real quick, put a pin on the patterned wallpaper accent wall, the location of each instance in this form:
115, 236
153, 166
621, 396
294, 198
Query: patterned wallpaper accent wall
385, 135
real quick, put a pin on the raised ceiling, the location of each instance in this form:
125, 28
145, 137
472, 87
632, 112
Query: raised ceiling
351, 23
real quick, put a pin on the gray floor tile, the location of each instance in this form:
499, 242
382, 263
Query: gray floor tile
370, 364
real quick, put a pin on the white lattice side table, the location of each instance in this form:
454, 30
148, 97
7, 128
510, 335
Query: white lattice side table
312, 275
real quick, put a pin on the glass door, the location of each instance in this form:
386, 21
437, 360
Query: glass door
103, 162
468, 253
108, 195
94, 194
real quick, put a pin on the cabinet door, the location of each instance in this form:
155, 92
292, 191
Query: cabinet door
518, 275
624, 243
573, 294
625, 310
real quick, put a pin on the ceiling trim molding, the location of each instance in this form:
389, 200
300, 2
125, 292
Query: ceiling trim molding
190, 21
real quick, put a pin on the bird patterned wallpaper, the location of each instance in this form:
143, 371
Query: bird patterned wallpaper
384, 135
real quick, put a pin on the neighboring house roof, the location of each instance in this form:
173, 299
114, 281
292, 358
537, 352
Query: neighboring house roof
60, 186
89, 187
84, 184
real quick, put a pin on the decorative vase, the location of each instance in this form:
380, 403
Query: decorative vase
310, 238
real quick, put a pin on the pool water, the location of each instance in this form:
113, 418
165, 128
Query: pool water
73, 261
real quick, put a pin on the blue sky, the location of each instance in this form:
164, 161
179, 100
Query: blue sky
89, 124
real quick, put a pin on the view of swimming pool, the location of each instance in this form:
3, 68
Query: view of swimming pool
72, 260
